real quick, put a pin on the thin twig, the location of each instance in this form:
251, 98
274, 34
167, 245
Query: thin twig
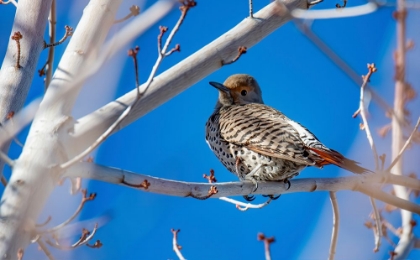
245, 206
45, 222
83, 240
341, 64
378, 231
52, 31
372, 69
267, 241
184, 9
407, 143
241, 50
20, 253
404, 244
3, 181
336, 224
177, 248
134, 11
44, 249
8, 2
6, 159
251, 9
133, 53
85, 199
68, 33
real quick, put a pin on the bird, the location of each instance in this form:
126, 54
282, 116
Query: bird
258, 143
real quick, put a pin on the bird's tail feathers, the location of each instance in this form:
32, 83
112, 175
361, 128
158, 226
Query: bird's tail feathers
336, 158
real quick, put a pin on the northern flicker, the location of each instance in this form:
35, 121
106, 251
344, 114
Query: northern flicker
259, 143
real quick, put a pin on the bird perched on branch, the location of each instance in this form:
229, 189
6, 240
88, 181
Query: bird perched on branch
259, 143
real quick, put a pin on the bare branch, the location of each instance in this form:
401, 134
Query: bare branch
44, 249
407, 143
336, 225
85, 199
267, 242
68, 33
251, 9
247, 33
360, 183
134, 11
334, 13
175, 245
52, 19
241, 50
8, 2
184, 9
378, 231
83, 240
20, 254
340, 63
133, 53
372, 69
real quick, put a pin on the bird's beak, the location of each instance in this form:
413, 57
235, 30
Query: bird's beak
219, 86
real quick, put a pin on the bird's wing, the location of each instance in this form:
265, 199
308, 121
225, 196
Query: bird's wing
264, 130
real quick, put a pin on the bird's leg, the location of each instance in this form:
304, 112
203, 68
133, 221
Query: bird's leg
250, 176
238, 161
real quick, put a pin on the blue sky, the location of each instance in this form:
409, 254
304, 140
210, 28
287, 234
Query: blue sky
296, 78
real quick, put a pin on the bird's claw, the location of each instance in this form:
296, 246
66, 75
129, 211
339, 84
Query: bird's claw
249, 198
286, 181
272, 196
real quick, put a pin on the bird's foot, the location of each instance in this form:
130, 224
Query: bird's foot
271, 196
249, 197
286, 181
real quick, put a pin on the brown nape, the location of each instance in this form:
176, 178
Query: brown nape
336, 158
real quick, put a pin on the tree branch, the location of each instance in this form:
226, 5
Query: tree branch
362, 183
336, 225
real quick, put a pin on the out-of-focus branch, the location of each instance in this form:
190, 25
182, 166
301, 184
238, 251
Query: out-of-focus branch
334, 13
340, 63
336, 225
8, 2
404, 244
139, 90
267, 242
407, 143
362, 109
175, 246
134, 11
15, 83
378, 232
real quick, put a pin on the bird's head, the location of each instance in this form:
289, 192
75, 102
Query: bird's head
238, 89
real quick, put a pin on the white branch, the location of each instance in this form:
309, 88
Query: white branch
336, 12
378, 231
34, 175
362, 183
187, 72
336, 224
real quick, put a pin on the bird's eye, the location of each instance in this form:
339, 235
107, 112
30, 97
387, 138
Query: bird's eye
243, 92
